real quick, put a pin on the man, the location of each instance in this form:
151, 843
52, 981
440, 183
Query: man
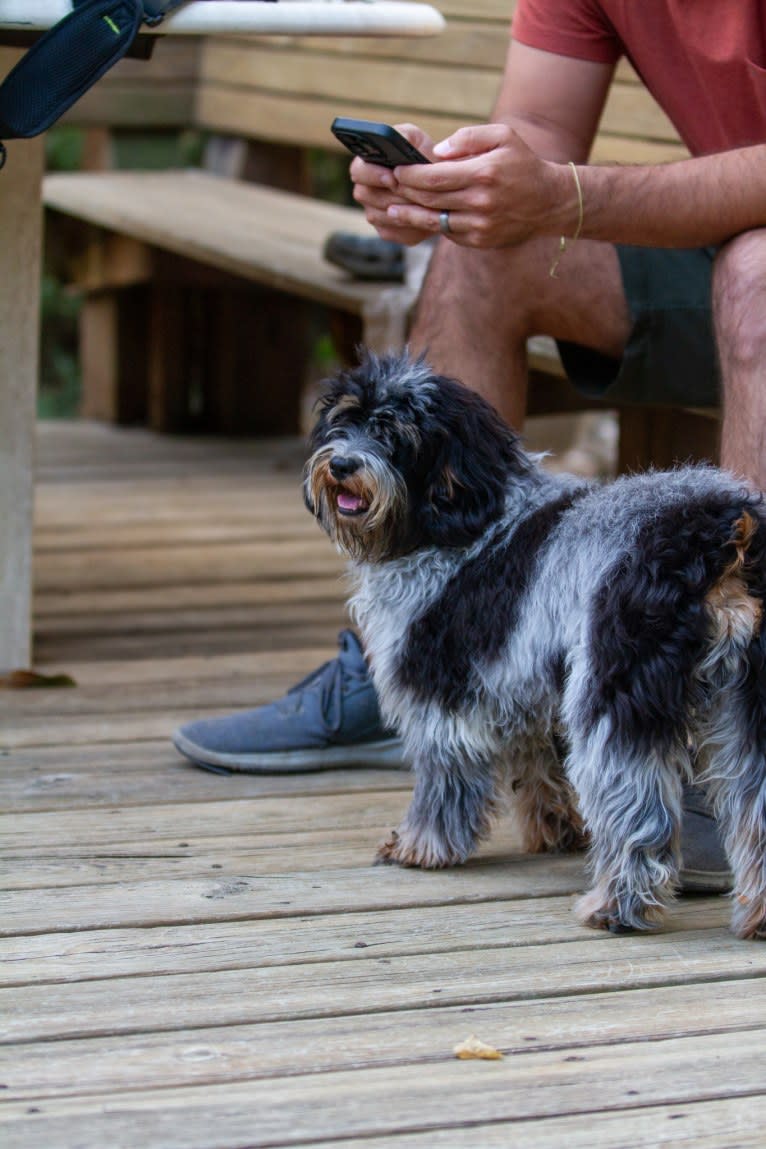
660, 293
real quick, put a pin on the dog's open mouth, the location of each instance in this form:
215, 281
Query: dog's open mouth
350, 503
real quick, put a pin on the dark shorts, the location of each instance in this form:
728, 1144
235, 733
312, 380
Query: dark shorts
670, 357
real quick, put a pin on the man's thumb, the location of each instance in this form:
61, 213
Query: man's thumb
470, 141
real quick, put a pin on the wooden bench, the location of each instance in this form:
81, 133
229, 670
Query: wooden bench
202, 286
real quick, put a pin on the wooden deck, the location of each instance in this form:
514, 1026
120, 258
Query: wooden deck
193, 961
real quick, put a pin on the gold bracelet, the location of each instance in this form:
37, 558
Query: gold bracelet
563, 238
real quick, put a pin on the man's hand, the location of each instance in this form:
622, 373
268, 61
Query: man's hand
497, 191
375, 187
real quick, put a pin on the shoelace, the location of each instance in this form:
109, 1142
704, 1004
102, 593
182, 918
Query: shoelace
329, 676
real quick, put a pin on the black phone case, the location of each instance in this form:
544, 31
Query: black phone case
376, 143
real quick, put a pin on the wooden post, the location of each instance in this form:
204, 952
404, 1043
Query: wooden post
20, 249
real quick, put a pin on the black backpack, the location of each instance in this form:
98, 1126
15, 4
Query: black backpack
68, 59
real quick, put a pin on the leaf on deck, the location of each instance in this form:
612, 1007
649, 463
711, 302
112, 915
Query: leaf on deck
31, 680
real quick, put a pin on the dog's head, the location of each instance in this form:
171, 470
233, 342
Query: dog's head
403, 458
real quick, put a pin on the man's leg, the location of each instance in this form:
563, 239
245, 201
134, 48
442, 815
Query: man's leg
739, 314
478, 309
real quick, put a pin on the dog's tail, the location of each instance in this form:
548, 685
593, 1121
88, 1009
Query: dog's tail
733, 666
735, 603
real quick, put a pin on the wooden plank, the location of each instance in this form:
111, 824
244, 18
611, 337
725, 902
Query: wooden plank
21, 709
475, 43
154, 104
63, 650
178, 1001
178, 621
149, 567
62, 608
309, 1110
203, 857
305, 121
293, 526
498, 10
286, 894
413, 87
218, 1054
245, 229
632, 112
159, 774
463, 43
93, 775
352, 936
728, 1124
140, 460
326, 78
185, 820
194, 668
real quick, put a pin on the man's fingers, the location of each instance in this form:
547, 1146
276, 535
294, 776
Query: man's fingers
417, 137
472, 141
370, 175
437, 178
375, 197
421, 219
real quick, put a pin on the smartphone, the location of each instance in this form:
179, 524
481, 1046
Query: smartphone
376, 143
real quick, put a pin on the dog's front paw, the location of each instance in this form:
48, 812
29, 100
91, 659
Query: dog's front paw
387, 851
400, 849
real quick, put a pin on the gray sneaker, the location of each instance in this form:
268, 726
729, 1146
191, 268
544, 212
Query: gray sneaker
330, 719
704, 866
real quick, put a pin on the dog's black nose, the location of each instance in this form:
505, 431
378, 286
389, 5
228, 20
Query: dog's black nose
341, 466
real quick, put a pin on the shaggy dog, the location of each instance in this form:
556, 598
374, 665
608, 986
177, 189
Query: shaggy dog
587, 647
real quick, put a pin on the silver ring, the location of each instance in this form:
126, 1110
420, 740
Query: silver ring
444, 226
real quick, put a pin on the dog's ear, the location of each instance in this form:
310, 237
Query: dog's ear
474, 454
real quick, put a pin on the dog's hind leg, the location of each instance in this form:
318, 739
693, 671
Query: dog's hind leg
734, 773
545, 802
631, 804
731, 728
740, 804
450, 813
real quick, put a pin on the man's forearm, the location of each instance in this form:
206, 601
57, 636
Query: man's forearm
689, 203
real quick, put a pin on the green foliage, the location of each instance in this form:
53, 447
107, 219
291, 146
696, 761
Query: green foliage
59, 367
329, 176
63, 148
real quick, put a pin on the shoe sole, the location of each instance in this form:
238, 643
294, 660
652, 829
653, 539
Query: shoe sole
387, 753
706, 881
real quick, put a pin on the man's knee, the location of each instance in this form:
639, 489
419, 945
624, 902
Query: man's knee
739, 298
489, 285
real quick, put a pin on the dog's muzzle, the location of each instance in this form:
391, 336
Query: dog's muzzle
348, 500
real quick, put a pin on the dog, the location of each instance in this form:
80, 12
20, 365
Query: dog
586, 647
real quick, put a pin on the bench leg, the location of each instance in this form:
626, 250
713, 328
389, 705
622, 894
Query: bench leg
230, 359
113, 353
663, 436
20, 247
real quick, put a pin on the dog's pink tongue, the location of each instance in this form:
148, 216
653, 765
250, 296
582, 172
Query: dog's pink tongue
350, 503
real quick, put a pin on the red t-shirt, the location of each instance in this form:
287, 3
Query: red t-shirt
704, 61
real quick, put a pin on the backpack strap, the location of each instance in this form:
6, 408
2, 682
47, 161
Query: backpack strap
68, 59
155, 11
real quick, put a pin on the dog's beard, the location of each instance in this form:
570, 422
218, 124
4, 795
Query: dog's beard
364, 514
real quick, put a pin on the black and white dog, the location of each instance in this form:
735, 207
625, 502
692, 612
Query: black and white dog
587, 647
